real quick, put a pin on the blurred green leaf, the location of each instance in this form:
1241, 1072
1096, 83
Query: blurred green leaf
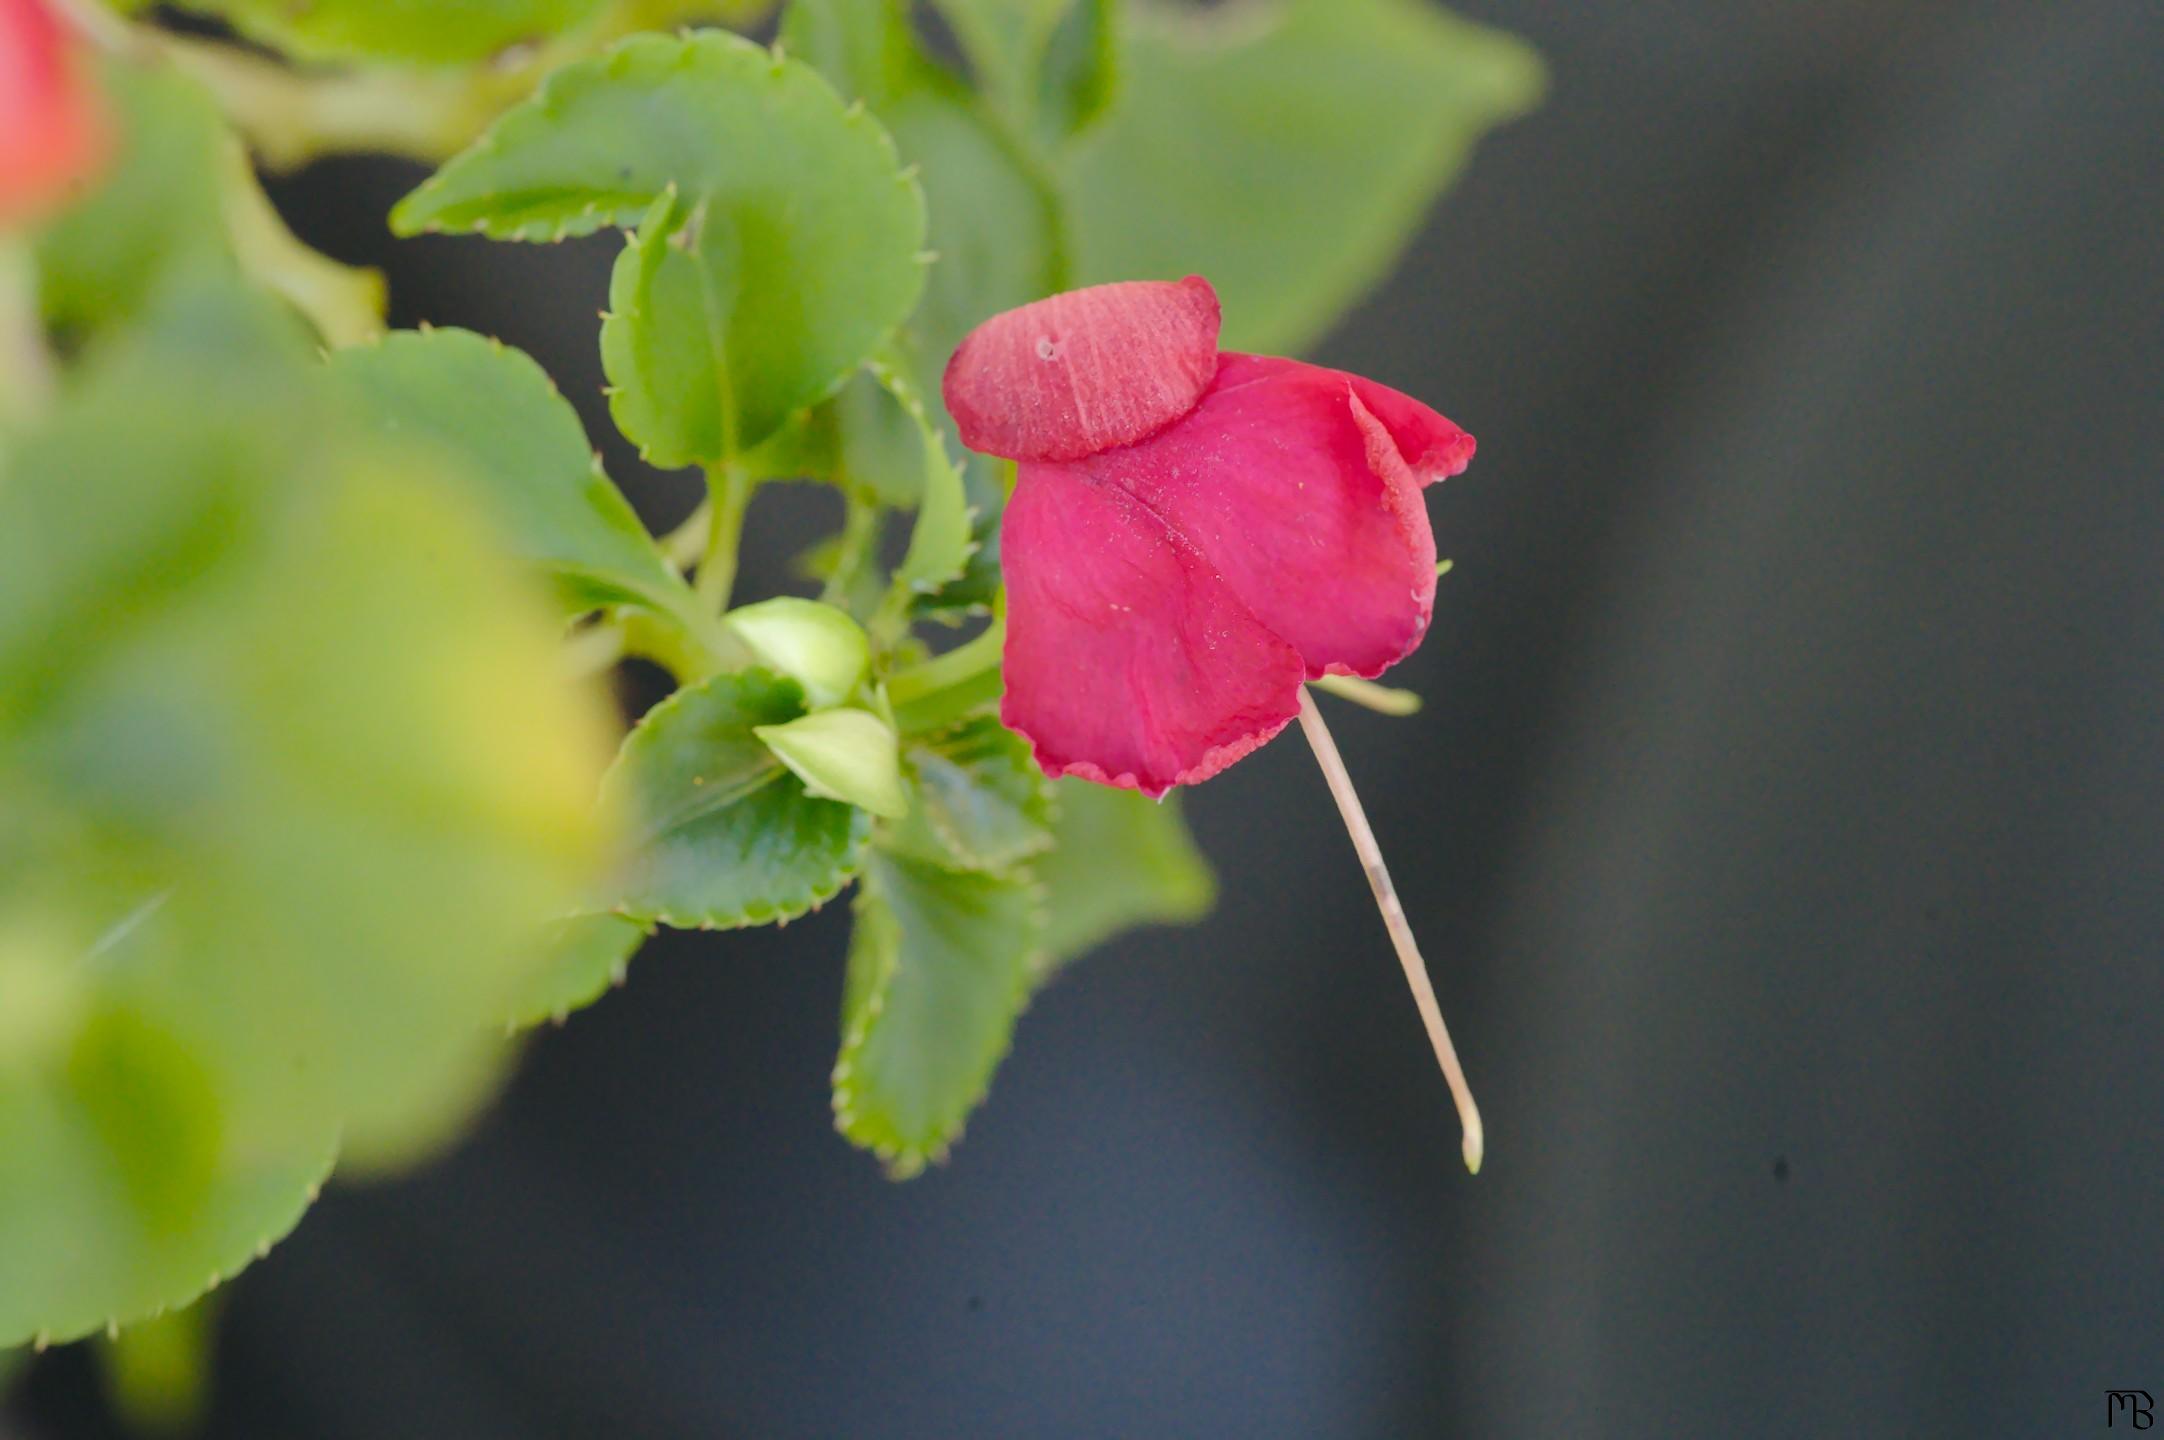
158, 1372
156, 213
1286, 149
939, 970
583, 956
424, 31
728, 836
790, 251
499, 413
182, 204
981, 802
879, 448
1081, 70
287, 778
78, 1254
1006, 42
1121, 860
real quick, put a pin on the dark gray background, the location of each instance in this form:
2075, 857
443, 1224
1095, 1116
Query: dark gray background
1784, 830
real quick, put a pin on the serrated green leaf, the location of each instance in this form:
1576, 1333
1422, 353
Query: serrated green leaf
286, 774
664, 353
1286, 150
728, 837
816, 645
939, 970
583, 956
973, 591
939, 541
79, 1254
791, 251
500, 414
425, 31
981, 803
1121, 860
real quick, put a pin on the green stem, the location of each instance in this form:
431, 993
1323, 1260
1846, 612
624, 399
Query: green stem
860, 532
690, 647
728, 492
942, 708
590, 651
345, 304
687, 542
944, 672
292, 116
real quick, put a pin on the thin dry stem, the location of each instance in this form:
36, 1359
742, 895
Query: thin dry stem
1401, 931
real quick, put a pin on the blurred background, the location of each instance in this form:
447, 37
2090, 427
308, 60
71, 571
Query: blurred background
1785, 830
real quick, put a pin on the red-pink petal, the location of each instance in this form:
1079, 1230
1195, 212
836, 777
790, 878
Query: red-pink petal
1128, 661
1084, 371
1293, 484
51, 131
1433, 446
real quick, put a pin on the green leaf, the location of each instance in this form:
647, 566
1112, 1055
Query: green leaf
79, 1254
816, 645
287, 773
499, 413
981, 802
977, 587
939, 970
1121, 860
426, 31
878, 446
665, 356
996, 227
584, 956
847, 755
181, 205
791, 249
939, 543
157, 212
158, 1373
728, 837
1286, 150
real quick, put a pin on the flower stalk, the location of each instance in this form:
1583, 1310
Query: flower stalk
728, 488
1401, 930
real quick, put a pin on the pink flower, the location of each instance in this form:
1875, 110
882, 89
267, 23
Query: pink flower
1193, 534
52, 132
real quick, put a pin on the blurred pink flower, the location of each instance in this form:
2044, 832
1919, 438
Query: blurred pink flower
52, 128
